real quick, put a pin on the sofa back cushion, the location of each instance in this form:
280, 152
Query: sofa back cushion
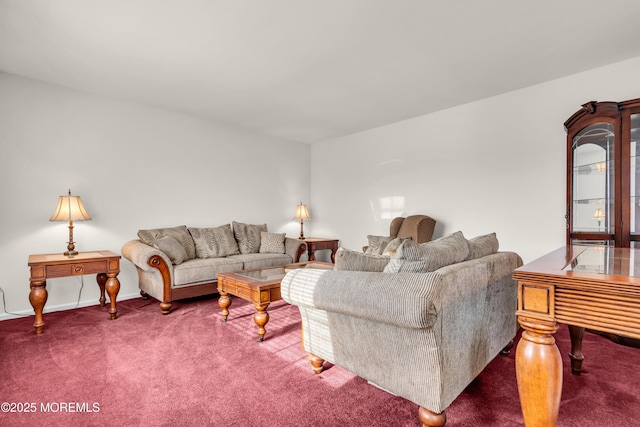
483, 245
272, 243
357, 261
376, 244
392, 247
248, 236
214, 242
172, 248
412, 257
180, 233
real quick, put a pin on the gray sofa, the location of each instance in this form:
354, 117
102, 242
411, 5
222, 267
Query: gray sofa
422, 326
182, 262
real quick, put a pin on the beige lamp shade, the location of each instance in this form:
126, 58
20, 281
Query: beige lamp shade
599, 214
302, 212
70, 208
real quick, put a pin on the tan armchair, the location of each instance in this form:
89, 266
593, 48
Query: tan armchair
418, 227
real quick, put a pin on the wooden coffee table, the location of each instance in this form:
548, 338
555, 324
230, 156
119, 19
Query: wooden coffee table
259, 286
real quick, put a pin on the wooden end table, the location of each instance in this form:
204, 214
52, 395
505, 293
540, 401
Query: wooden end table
317, 244
260, 286
595, 287
105, 264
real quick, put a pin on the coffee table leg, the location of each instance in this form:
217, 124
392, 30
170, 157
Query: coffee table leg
261, 318
576, 333
224, 302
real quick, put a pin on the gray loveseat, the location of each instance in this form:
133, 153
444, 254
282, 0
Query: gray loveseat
183, 262
422, 327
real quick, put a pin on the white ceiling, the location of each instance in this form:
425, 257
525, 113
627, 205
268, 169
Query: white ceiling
309, 70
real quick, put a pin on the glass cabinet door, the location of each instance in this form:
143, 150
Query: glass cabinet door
635, 176
603, 174
593, 180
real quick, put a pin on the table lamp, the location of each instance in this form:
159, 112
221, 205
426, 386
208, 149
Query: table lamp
70, 208
302, 213
599, 216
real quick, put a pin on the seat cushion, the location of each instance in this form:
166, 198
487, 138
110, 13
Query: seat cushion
203, 270
261, 260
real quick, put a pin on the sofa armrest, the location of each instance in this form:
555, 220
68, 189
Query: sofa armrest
140, 253
294, 248
403, 299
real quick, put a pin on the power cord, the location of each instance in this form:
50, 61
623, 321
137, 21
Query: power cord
4, 302
4, 305
80, 291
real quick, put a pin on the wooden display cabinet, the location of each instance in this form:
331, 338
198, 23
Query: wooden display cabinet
603, 174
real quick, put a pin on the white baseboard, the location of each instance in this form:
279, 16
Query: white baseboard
30, 312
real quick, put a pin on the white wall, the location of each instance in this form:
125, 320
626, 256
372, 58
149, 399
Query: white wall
492, 165
134, 167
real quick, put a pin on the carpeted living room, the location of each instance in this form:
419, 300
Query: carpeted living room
238, 169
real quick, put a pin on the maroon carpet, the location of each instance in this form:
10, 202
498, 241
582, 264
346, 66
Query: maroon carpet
189, 368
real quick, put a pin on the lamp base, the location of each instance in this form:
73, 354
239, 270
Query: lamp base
301, 230
71, 245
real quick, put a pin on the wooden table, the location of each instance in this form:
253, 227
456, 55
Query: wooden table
593, 287
259, 286
105, 264
316, 244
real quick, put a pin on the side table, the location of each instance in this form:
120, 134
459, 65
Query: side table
317, 244
595, 287
105, 264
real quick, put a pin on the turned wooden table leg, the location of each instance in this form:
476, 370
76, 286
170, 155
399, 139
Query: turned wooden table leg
224, 302
312, 255
576, 333
539, 373
101, 278
38, 297
261, 318
316, 363
113, 287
